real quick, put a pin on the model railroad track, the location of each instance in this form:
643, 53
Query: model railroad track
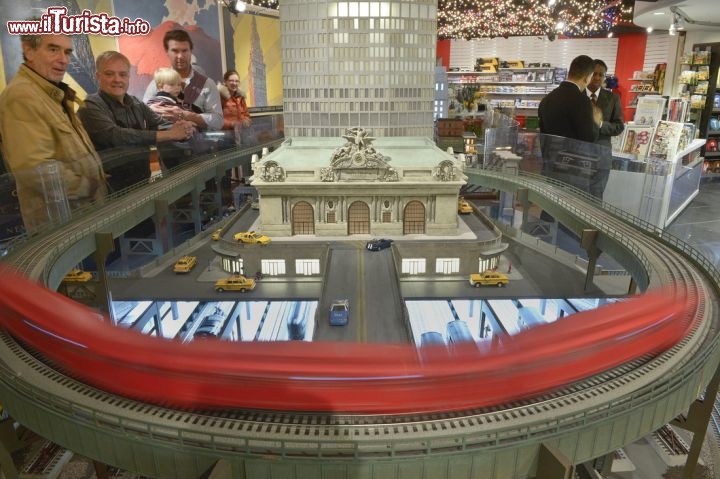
37, 255
270, 433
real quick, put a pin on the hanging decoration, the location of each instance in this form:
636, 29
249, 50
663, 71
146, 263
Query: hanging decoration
272, 4
469, 19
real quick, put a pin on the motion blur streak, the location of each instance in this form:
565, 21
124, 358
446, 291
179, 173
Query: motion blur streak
303, 376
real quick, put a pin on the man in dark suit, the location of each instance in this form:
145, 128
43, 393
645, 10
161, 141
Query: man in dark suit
570, 124
608, 103
567, 110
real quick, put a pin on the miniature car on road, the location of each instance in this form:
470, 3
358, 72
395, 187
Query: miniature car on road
76, 275
185, 264
378, 244
464, 206
216, 234
237, 282
339, 312
489, 278
251, 237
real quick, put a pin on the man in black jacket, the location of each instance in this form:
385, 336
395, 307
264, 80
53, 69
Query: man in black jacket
567, 110
570, 124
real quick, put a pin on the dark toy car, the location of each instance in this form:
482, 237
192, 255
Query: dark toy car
378, 244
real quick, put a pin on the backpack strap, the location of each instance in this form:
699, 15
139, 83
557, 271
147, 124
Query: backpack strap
194, 88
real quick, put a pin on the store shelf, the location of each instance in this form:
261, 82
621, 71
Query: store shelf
712, 154
526, 69
515, 93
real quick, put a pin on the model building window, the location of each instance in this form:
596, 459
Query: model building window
386, 216
414, 221
302, 219
272, 267
330, 217
307, 267
234, 266
413, 265
486, 264
447, 265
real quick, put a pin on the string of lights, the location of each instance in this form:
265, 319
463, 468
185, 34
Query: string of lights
272, 4
507, 18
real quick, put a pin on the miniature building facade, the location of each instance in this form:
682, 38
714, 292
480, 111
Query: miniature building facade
364, 63
393, 187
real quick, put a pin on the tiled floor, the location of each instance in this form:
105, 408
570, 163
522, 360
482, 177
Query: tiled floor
699, 224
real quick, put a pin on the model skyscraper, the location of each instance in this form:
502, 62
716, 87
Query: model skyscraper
362, 63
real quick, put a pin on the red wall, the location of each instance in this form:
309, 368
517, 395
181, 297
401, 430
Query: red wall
443, 52
630, 58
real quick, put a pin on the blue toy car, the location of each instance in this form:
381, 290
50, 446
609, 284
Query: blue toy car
339, 312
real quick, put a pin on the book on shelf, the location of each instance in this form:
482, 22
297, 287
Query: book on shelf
649, 110
636, 140
701, 57
678, 109
658, 83
687, 135
701, 88
697, 101
687, 77
666, 140
703, 72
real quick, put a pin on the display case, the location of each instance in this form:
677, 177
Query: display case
656, 189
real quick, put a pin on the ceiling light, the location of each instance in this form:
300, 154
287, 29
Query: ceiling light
673, 29
235, 6
610, 34
649, 29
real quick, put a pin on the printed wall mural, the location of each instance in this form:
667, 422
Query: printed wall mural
252, 43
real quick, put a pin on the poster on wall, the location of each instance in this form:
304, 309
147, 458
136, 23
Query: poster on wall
146, 52
252, 46
81, 70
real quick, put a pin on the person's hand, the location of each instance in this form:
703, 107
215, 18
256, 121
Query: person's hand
597, 115
168, 112
182, 130
246, 122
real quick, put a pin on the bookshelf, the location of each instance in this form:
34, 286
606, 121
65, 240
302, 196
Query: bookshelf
698, 83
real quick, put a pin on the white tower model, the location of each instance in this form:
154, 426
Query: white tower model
358, 63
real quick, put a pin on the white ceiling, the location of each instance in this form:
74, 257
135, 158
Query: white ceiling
657, 14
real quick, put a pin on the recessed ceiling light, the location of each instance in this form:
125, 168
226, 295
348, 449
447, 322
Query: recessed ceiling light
658, 13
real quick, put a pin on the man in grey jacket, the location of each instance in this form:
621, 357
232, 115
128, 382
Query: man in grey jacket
122, 128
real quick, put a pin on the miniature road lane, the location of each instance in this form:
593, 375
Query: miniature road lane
361, 276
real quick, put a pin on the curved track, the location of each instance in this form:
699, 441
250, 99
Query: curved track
589, 418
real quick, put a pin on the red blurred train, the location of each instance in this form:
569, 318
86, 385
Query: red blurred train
338, 377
